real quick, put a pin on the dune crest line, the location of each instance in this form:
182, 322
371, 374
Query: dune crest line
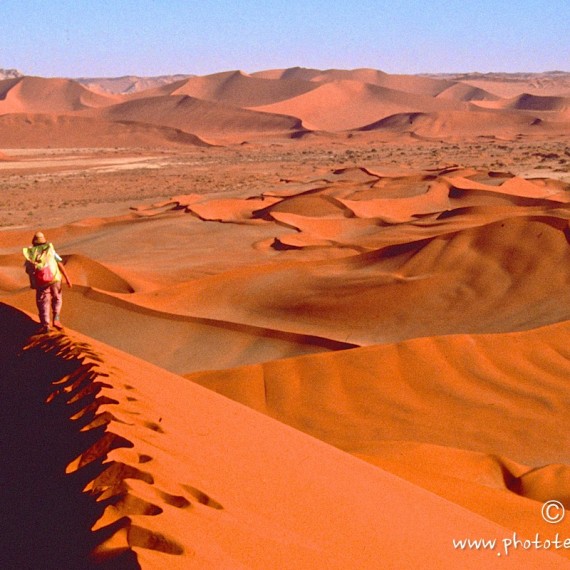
58, 482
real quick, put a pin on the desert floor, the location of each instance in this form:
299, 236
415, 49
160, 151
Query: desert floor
47, 187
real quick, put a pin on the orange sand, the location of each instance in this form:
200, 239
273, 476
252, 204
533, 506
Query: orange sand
371, 271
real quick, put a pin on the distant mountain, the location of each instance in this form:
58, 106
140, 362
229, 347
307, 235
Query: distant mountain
512, 84
128, 83
10, 73
500, 76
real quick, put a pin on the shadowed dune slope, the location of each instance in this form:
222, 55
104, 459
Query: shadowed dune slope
19, 130
528, 102
188, 479
461, 124
477, 280
49, 416
196, 116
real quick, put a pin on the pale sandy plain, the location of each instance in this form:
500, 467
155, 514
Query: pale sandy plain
319, 319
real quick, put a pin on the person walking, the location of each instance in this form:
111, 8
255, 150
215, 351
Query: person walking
45, 269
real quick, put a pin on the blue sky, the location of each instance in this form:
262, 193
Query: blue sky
91, 38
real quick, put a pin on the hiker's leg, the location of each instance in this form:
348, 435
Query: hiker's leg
56, 299
43, 298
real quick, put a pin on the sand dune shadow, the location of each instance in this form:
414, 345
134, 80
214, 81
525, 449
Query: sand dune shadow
49, 393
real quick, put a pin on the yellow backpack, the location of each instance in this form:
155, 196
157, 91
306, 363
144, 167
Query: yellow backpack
41, 265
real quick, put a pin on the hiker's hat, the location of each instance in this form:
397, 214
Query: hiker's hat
39, 238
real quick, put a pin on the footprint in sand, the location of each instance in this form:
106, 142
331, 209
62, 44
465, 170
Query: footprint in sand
130, 504
177, 501
144, 538
202, 498
153, 426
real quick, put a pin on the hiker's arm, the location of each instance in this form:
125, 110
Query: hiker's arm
64, 273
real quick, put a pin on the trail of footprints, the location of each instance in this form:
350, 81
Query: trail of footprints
112, 483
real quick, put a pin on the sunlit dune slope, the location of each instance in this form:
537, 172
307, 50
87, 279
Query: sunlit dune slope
494, 486
477, 419
40, 95
240, 89
89, 272
348, 104
498, 394
189, 479
408, 83
466, 92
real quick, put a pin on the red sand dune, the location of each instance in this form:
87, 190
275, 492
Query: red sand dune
456, 125
409, 83
197, 116
549, 108
40, 95
389, 342
27, 130
306, 74
242, 90
193, 480
127, 84
234, 106
352, 104
526, 102
466, 92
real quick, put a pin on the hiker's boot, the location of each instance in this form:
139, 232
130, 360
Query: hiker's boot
57, 323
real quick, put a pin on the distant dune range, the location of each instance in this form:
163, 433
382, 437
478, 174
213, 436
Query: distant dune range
352, 366
235, 106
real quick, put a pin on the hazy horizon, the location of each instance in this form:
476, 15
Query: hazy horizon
253, 71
